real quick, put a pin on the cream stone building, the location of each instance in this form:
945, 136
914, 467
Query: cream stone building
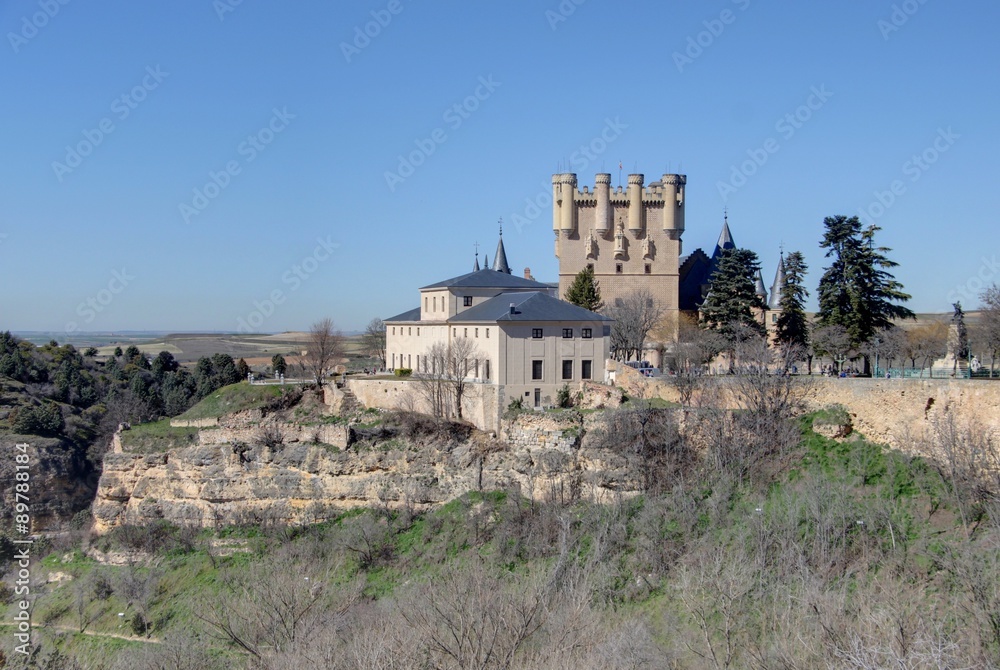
524, 339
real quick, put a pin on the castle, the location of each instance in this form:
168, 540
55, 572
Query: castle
631, 238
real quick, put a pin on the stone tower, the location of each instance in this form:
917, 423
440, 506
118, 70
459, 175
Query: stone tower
631, 237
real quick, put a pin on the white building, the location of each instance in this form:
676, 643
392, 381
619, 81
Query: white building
525, 339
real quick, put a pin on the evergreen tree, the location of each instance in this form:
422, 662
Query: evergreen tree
732, 305
279, 364
243, 369
585, 291
792, 326
961, 344
857, 291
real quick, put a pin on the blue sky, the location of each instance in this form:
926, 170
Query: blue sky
203, 165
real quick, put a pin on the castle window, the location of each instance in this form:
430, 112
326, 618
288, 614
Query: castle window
465, 332
394, 330
618, 268
487, 333
454, 332
567, 333
418, 331
477, 332
486, 369
409, 330
435, 303
477, 368
648, 268
585, 369
536, 333
567, 369
774, 318
425, 303
586, 333
467, 301
536, 369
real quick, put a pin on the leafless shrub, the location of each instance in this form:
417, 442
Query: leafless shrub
269, 435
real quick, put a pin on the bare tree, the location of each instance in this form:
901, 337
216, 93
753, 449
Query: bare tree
326, 348
832, 341
635, 315
446, 375
432, 378
989, 326
373, 341
926, 344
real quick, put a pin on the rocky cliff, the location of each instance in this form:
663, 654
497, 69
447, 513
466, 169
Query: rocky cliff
226, 481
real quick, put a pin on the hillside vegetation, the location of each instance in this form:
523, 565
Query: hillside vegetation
828, 553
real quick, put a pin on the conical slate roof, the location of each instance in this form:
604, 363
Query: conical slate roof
759, 287
778, 285
476, 268
500, 257
725, 240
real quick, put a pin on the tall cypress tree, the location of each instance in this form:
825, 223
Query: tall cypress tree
792, 326
857, 291
585, 291
732, 305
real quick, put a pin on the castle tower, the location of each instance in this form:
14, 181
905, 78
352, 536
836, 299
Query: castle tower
774, 304
631, 237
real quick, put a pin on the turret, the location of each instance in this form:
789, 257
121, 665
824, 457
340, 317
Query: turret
602, 215
759, 288
635, 222
556, 202
673, 204
567, 189
779, 285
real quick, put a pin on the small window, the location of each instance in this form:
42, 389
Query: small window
648, 269
394, 330
477, 332
435, 303
477, 368
618, 268
487, 333
465, 332
536, 333
409, 330
425, 303
567, 369
467, 301
567, 333
418, 331
454, 332
585, 369
586, 333
536, 369
774, 318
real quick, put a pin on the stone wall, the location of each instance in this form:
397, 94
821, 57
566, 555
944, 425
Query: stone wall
543, 430
333, 434
482, 404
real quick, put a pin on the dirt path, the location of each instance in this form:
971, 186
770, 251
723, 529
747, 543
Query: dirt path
118, 636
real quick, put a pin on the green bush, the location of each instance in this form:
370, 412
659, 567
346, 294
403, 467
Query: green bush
42, 420
563, 396
403, 372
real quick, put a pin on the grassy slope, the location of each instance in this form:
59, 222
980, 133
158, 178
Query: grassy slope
861, 476
232, 398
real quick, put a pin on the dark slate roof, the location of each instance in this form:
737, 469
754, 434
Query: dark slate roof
528, 306
475, 268
759, 287
725, 241
778, 285
409, 315
500, 258
487, 279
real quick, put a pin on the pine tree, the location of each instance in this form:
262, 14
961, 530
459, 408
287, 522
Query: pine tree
585, 291
732, 304
857, 291
792, 326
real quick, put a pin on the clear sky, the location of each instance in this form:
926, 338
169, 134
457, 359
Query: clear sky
193, 165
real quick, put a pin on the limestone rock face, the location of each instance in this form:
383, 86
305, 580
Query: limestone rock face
61, 482
294, 483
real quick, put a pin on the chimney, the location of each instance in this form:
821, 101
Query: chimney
512, 311
527, 274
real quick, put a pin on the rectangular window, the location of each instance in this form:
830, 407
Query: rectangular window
394, 330
477, 368
486, 371
586, 333
454, 332
465, 332
774, 318
425, 303
487, 333
648, 268
567, 333
467, 301
536, 333
585, 369
418, 331
477, 332
567, 369
409, 330
536, 369
618, 268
